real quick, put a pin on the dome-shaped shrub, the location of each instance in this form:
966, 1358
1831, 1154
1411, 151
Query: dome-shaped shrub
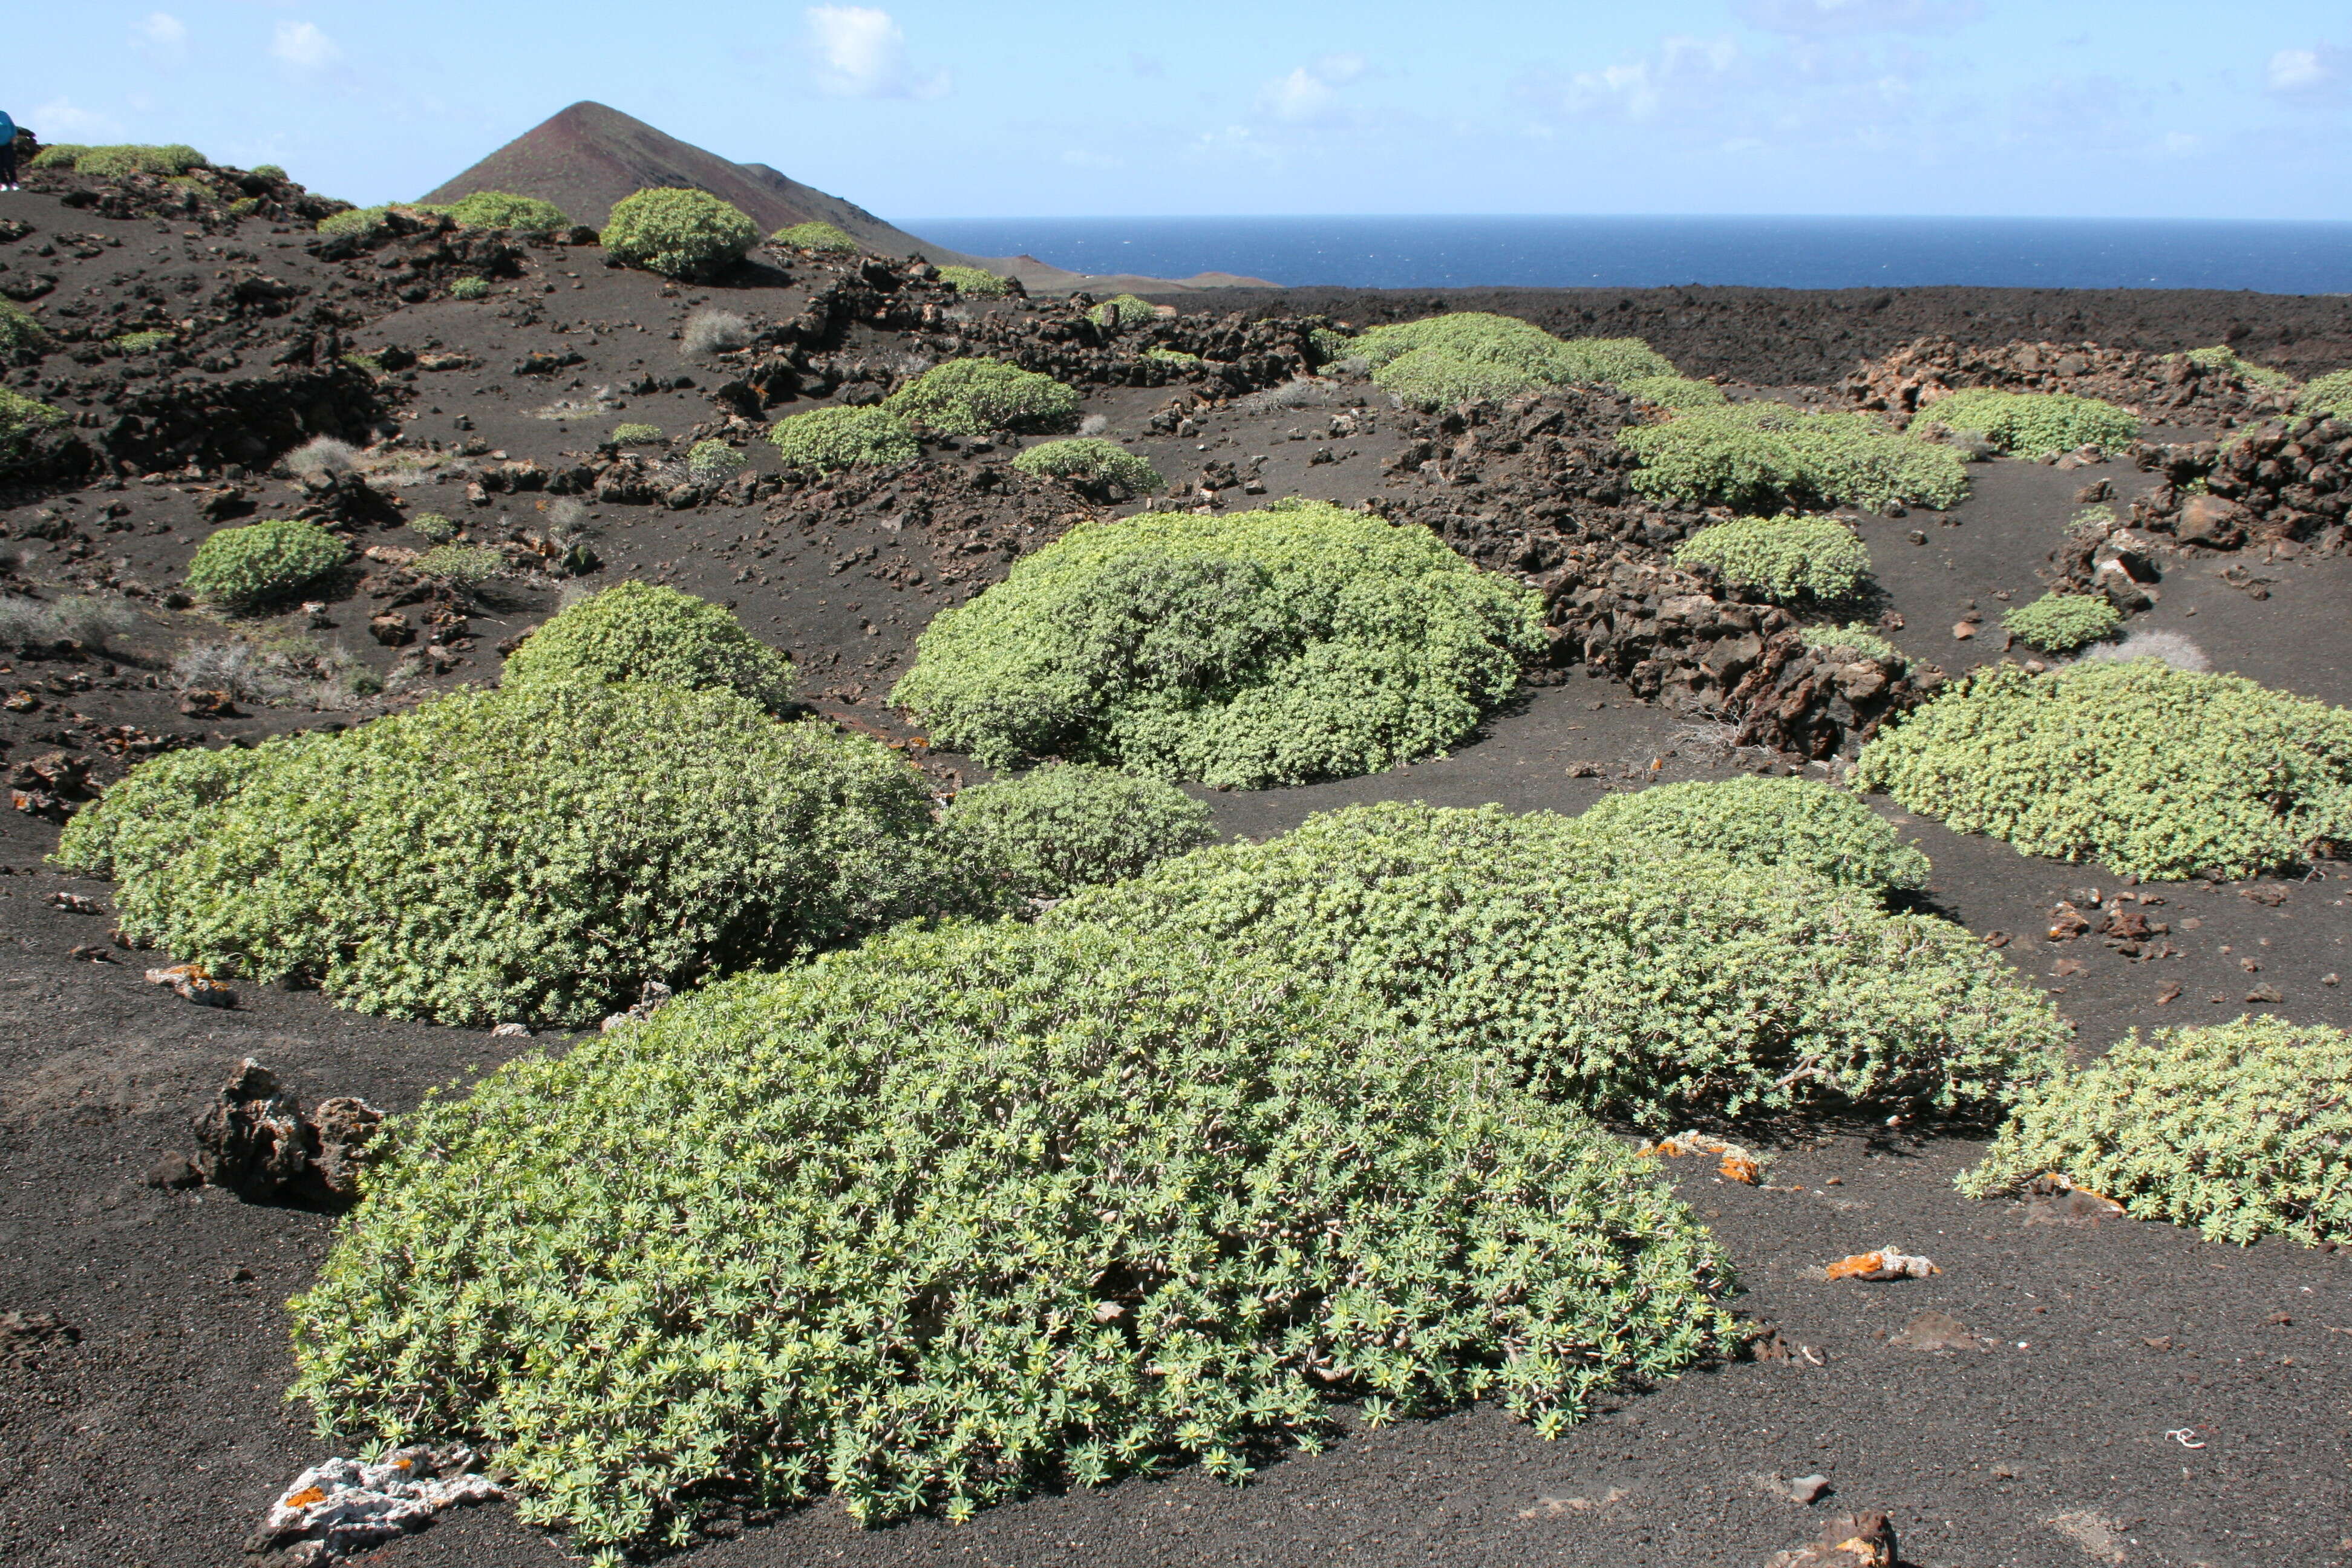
2061, 623
1608, 971
537, 854
1095, 465
677, 233
261, 564
1794, 560
822, 238
1261, 647
640, 631
2030, 424
957, 1215
504, 209
824, 439
1796, 822
975, 281
1767, 456
1046, 832
985, 397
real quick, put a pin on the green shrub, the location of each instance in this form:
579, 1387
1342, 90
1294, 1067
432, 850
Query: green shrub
1604, 969
2030, 424
984, 397
825, 440
356, 220
468, 288
2329, 395
961, 1213
504, 209
1434, 378
464, 567
1171, 356
2242, 1130
677, 233
714, 462
60, 155
1865, 643
1046, 832
1674, 392
1759, 456
636, 631
113, 162
1614, 361
1470, 355
18, 329
2158, 772
1330, 346
1095, 464
22, 418
262, 563
1123, 310
1794, 560
2222, 357
432, 527
975, 281
1823, 832
637, 434
2061, 623
818, 237
536, 854
1263, 647
274, 173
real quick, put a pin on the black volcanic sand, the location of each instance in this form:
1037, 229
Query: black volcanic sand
2100, 1354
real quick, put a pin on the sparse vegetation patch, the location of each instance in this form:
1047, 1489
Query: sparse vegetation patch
2327, 395
2030, 424
1674, 392
504, 209
1476, 354
1761, 456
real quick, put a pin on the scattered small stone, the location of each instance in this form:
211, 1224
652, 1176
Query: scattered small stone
2170, 994
256, 1142
1962, 631
511, 1032
1585, 770
649, 1002
2265, 993
1554, 1507
24, 1336
77, 903
193, 983
347, 1505
174, 1172
1886, 1263
92, 952
1933, 1331
1850, 1540
2102, 1538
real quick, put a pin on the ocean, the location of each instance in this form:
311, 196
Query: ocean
2309, 257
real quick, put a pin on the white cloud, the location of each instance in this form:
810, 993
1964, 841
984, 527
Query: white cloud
1684, 68
2321, 71
60, 120
1310, 93
861, 52
162, 33
1857, 16
302, 45
1341, 68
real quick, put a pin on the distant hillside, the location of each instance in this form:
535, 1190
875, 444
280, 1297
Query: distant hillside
589, 156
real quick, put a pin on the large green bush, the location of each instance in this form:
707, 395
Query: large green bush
1046, 832
985, 397
640, 631
1674, 392
822, 238
262, 563
1476, 354
18, 329
960, 1213
504, 209
1256, 648
1826, 833
535, 853
109, 163
677, 233
1093, 464
1764, 456
2030, 424
60, 155
1794, 560
1123, 310
825, 440
2242, 1130
2061, 623
2157, 772
1606, 970
2327, 395
975, 281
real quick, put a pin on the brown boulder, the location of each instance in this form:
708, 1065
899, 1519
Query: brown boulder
2208, 520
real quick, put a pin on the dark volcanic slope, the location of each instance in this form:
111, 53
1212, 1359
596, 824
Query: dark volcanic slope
1780, 337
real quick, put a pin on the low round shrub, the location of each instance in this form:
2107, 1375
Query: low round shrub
1171, 356
1614, 361
976, 281
18, 329
1674, 392
463, 567
822, 238
1605, 970
2061, 623
468, 288
354, 220
113, 162
628, 434
959, 1214
58, 155
504, 209
1439, 377
262, 563
714, 462
274, 173
985, 397
636, 632
21, 419
1092, 463
1799, 822
2160, 772
1123, 310
1046, 832
147, 341
535, 853
433, 527
1860, 640
677, 233
825, 440
2242, 1130
2030, 424
1469, 354
2327, 396
1795, 560
2222, 357
1763, 455
1261, 647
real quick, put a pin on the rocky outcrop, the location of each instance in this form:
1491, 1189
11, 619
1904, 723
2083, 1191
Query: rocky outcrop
256, 1142
2283, 481
2157, 386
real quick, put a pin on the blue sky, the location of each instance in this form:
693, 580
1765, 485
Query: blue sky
921, 108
